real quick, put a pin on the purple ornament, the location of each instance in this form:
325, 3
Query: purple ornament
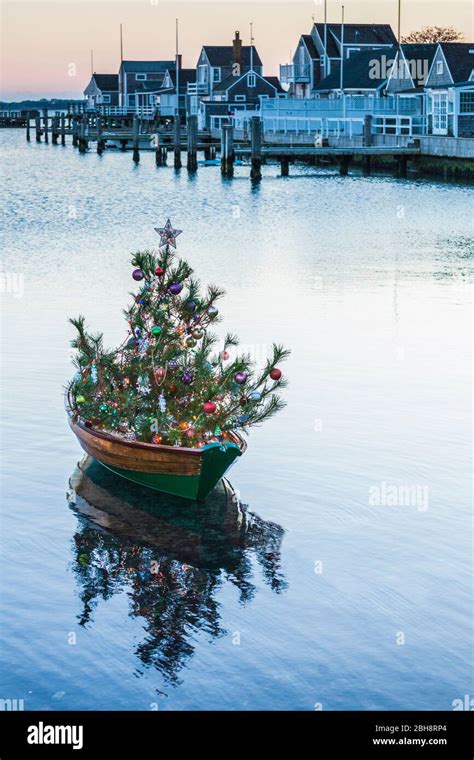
137, 274
173, 364
240, 377
175, 288
187, 378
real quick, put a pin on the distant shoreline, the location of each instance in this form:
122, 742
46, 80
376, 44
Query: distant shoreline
24, 105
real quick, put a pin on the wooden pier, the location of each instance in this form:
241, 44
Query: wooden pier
132, 132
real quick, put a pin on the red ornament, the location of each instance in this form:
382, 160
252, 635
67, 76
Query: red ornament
156, 439
159, 373
172, 388
159, 272
209, 407
224, 355
275, 373
190, 433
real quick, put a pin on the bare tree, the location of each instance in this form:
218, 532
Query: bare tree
435, 34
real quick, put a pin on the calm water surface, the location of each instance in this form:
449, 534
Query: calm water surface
311, 594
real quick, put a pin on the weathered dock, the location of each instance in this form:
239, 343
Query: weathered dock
136, 134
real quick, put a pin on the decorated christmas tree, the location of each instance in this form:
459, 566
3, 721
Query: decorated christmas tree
170, 382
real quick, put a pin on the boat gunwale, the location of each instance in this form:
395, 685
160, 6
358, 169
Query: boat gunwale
237, 439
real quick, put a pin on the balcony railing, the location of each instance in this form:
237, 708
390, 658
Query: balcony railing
198, 88
294, 72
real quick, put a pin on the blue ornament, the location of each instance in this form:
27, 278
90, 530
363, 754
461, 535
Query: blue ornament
255, 395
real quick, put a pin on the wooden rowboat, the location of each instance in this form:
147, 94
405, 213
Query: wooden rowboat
190, 473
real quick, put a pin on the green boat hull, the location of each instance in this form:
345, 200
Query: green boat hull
215, 462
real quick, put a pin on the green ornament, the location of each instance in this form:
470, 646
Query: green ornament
156, 330
190, 342
80, 399
217, 431
104, 408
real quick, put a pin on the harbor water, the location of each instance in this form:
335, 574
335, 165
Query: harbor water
343, 582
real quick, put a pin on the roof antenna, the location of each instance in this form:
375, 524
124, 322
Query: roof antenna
121, 44
251, 46
92, 62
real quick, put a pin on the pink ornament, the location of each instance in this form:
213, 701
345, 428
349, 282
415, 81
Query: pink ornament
209, 407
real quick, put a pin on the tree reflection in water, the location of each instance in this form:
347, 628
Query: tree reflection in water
170, 556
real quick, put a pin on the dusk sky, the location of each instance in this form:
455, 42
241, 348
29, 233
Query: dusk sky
46, 46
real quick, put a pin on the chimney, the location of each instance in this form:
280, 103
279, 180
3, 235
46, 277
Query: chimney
237, 49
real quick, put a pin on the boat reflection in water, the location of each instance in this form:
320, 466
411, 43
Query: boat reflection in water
170, 555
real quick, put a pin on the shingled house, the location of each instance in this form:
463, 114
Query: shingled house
237, 93
140, 81
168, 99
217, 62
450, 90
102, 90
319, 52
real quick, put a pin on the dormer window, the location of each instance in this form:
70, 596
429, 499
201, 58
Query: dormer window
140, 77
439, 67
216, 75
251, 80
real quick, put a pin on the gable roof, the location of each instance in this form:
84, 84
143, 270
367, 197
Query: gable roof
357, 74
152, 85
106, 82
223, 55
419, 53
310, 46
185, 77
275, 82
358, 34
231, 80
146, 67
459, 59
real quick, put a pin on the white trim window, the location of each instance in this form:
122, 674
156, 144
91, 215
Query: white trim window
251, 79
439, 67
240, 98
216, 74
105, 98
140, 77
440, 113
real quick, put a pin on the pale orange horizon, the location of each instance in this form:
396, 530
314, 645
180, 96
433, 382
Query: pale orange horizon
46, 46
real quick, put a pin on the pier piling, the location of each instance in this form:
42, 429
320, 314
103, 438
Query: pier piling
100, 139
158, 151
54, 130
401, 167
45, 124
28, 136
366, 165
136, 130
83, 144
284, 166
38, 128
177, 142
344, 165
75, 132
63, 130
192, 134
256, 148
227, 150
